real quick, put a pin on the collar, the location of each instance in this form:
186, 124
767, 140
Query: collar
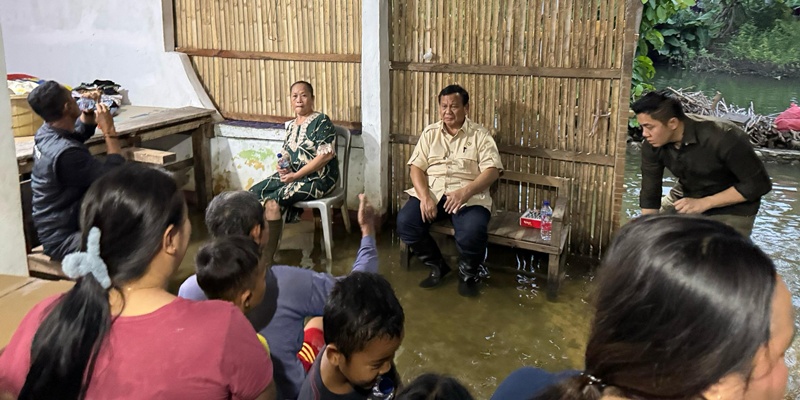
461, 130
59, 131
689, 132
262, 314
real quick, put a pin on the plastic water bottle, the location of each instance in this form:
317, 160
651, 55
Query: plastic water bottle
284, 162
547, 221
383, 389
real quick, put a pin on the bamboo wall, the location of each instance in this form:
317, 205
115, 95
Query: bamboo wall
248, 52
551, 79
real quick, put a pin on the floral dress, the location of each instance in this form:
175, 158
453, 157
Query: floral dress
316, 135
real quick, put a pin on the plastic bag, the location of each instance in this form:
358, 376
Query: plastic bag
789, 120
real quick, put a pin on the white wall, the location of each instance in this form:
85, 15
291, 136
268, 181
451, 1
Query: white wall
81, 40
12, 238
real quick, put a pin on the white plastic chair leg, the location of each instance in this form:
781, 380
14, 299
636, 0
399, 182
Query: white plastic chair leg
346, 218
325, 214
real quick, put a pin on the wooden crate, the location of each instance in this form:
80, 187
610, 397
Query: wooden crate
24, 122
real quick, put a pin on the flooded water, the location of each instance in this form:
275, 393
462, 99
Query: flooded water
769, 95
480, 341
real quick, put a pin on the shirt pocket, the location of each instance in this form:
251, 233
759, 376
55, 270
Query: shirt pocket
467, 160
437, 155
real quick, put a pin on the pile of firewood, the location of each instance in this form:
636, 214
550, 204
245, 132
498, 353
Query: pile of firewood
761, 128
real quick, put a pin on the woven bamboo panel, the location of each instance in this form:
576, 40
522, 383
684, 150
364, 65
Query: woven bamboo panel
248, 52
550, 79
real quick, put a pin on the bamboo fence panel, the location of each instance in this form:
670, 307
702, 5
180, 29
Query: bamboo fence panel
549, 78
247, 53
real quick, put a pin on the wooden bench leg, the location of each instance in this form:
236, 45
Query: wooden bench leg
405, 255
553, 276
556, 270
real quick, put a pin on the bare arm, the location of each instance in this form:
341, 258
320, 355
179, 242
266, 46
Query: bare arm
367, 257
314, 165
106, 123
649, 211
727, 197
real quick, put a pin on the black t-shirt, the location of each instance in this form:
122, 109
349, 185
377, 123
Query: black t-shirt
314, 389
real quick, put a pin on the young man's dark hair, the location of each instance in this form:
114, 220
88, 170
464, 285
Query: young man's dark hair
361, 307
234, 213
455, 89
48, 100
227, 266
660, 105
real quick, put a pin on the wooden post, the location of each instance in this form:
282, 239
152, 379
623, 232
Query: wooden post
201, 152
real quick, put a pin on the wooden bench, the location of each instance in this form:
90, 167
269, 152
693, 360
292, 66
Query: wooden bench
41, 264
504, 228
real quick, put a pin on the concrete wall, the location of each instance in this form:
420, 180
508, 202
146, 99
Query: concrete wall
12, 238
82, 40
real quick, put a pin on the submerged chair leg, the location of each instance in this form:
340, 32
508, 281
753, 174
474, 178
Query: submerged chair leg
326, 232
346, 218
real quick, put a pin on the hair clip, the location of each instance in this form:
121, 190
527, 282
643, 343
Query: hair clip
80, 264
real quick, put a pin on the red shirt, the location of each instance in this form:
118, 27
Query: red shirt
183, 350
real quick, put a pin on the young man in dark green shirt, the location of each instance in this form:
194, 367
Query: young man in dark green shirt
719, 174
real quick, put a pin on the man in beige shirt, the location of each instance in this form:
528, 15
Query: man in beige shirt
452, 167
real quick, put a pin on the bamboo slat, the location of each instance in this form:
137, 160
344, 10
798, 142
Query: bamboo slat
549, 78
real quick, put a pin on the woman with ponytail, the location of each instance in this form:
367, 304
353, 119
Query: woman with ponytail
685, 308
118, 333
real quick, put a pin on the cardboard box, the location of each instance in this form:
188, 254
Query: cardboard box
530, 219
18, 294
24, 122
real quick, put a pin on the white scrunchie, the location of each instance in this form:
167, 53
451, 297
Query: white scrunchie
80, 264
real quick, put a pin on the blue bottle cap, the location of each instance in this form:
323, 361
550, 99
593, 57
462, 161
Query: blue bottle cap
546, 203
280, 155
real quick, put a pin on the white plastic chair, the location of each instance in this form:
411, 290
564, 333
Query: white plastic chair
337, 198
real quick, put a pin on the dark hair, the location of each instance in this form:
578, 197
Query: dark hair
226, 266
681, 302
48, 99
132, 206
434, 387
660, 105
455, 89
308, 86
362, 306
234, 213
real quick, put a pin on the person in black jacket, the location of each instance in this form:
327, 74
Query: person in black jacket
63, 168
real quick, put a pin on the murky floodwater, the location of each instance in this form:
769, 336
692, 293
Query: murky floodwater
480, 341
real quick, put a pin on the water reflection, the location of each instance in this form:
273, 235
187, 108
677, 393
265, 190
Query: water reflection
480, 341
769, 95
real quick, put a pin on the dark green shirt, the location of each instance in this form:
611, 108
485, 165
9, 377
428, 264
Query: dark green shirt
714, 155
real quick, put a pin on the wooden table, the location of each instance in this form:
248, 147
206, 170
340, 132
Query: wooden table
136, 124
18, 294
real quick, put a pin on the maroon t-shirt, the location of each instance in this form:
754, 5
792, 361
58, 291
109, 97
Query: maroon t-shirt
183, 350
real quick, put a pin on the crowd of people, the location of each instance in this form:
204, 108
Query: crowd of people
686, 306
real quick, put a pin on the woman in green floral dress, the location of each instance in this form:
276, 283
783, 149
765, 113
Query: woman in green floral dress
311, 146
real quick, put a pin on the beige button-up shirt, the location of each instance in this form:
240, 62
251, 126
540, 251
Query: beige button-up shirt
453, 162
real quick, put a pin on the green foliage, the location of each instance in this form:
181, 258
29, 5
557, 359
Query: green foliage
655, 12
778, 45
684, 33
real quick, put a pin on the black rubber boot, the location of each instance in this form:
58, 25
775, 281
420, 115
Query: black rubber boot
468, 276
428, 252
